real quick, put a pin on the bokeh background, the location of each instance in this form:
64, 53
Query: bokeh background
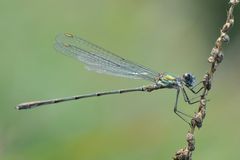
173, 36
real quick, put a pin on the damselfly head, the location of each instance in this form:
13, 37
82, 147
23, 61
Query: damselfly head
189, 79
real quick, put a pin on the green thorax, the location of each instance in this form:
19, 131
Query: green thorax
167, 80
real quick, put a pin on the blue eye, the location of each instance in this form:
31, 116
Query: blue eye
189, 79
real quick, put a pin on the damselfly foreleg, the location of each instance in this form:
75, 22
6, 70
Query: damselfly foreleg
192, 88
187, 99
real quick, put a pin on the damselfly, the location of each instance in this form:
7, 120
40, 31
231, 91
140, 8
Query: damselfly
103, 61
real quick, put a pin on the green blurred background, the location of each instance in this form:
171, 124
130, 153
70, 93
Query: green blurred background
173, 36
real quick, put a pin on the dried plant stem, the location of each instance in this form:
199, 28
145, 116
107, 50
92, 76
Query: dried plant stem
214, 59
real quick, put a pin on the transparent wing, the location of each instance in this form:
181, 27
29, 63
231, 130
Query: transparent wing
100, 60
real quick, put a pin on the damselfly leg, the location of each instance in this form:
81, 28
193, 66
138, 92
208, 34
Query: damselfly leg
192, 88
186, 99
178, 112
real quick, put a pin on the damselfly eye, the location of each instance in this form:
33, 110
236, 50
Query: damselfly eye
189, 79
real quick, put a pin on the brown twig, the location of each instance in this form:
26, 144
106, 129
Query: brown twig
214, 59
